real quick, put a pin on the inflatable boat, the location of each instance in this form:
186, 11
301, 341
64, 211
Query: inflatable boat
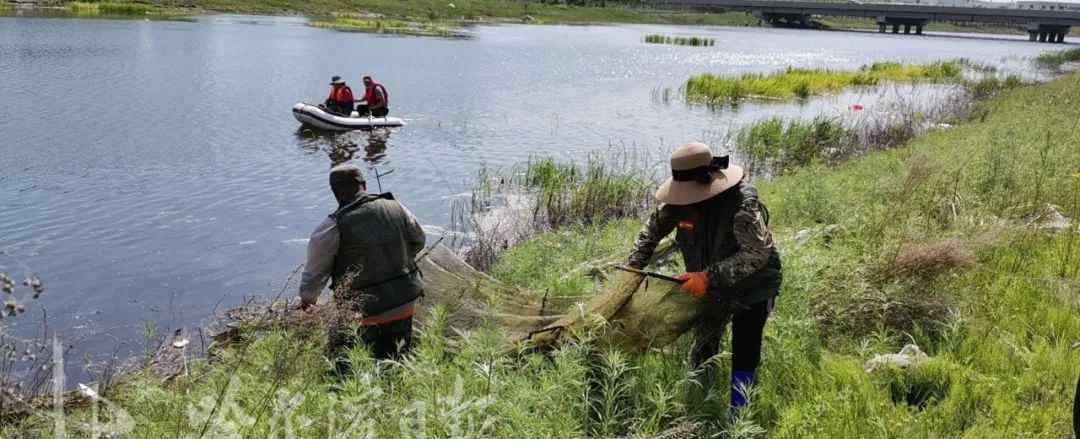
319, 118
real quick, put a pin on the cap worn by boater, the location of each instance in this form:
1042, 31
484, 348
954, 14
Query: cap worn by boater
696, 175
336, 80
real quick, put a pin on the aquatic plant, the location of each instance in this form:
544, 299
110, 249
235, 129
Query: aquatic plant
388, 26
24, 364
802, 83
679, 40
773, 146
991, 85
1054, 60
110, 8
510, 206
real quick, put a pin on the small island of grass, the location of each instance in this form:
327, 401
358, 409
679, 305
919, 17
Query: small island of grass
124, 9
802, 83
390, 26
679, 41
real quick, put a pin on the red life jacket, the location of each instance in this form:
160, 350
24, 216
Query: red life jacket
369, 94
342, 95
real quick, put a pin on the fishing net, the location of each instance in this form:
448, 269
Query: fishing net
635, 312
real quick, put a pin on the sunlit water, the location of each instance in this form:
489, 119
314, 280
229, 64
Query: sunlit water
150, 171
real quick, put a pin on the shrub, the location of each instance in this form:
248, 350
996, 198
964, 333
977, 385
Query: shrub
1055, 60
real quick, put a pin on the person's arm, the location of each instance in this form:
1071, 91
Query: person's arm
659, 225
755, 245
380, 97
321, 251
414, 233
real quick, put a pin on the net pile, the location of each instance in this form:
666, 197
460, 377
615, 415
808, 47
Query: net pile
635, 312
639, 312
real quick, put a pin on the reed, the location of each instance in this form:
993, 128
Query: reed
1055, 60
679, 40
990, 86
802, 83
389, 26
775, 147
513, 205
111, 8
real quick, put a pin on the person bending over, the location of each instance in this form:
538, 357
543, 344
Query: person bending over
733, 267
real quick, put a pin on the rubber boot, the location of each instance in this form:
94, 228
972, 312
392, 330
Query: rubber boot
740, 381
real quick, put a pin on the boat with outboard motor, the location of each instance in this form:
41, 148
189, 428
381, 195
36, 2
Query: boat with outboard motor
316, 117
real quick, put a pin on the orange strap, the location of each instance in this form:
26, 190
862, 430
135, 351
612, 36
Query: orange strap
384, 319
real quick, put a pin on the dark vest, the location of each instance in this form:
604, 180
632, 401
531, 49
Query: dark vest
373, 268
712, 239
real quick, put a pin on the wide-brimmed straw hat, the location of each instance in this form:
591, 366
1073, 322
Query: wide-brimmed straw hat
696, 175
337, 81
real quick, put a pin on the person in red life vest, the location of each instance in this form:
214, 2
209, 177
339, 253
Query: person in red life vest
376, 100
341, 98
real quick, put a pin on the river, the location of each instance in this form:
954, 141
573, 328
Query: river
151, 171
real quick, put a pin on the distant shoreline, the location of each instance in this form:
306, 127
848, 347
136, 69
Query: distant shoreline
441, 17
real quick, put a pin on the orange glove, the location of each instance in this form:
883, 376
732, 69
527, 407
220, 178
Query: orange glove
695, 284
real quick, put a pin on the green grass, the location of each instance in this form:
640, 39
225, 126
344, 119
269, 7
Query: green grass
1057, 59
389, 26
563, 195
923, 244
775, 146
679, 40
477, 10
803, 83
122, 9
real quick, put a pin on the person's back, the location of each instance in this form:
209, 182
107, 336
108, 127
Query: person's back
374, 263
367, 247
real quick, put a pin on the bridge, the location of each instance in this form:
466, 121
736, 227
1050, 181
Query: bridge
1041, 25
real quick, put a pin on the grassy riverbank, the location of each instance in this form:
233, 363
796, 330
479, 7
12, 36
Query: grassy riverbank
477, 10
803, 83
938, 243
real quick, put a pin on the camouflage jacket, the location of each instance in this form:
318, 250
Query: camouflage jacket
726, 236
